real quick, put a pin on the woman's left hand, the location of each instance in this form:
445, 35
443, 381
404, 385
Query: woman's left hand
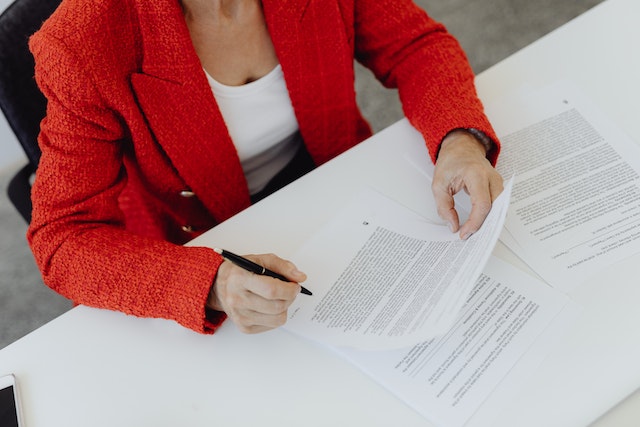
462, 165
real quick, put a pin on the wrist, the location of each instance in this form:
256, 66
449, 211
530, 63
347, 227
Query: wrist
482, 138
213, 302
463, 139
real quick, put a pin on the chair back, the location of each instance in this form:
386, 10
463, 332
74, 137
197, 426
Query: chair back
21, 101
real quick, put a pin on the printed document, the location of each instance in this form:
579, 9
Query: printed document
383, 277
509, 323
575, 205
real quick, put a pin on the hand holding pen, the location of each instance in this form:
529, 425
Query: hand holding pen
255, 268
255, 293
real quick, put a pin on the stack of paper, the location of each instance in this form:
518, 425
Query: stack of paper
440, 323
575, 207
420, 310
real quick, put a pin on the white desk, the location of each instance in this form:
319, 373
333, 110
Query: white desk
595, 52
98, 368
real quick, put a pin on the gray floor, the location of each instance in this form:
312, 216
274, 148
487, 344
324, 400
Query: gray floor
489, 30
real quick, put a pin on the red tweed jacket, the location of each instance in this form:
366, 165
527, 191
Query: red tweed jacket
136, 158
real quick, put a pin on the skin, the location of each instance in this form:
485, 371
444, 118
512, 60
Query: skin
256, 303
231, 39
462, 165
234, 47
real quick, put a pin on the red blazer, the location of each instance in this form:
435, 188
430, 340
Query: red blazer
132, 124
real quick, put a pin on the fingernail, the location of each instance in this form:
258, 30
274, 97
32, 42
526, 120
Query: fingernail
466, 236
451, 228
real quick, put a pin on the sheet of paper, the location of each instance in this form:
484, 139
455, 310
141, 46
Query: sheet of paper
575, 205
383, 277
448, 378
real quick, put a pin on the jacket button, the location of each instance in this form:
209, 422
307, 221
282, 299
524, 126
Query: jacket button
187, 228
187, 193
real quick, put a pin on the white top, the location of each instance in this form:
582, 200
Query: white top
262, 125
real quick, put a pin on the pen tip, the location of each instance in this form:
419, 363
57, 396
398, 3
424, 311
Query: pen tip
217, 250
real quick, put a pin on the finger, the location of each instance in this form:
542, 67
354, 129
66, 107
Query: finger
248, 310
261, 298
446, 207
496, 186
267, 288
481, 199
282, 266
237, 289
253, 322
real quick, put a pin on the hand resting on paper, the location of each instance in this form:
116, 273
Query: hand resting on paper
255, 303
462, 165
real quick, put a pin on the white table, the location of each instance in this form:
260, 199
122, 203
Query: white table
98, 368
598, 53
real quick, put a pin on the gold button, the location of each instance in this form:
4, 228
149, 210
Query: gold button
187, 193
187, 229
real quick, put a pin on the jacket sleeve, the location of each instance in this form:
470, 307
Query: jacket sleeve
408, 50
77, 233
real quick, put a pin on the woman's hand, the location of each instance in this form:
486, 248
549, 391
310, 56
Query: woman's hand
462, 165
255, 303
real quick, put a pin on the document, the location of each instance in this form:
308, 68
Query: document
575, 205
383, 277
448, 378
448, 329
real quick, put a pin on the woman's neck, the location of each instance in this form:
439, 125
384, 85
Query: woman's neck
231, 39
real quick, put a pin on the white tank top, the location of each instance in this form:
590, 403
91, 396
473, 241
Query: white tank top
261, 123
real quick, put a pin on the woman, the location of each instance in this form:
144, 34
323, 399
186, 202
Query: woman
165, 118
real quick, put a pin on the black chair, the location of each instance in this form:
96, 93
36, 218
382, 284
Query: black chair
21, 101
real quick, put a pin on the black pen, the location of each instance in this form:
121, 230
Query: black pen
255, 268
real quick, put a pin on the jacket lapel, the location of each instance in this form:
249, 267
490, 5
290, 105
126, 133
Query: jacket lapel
291, 10
316, 55
174, 94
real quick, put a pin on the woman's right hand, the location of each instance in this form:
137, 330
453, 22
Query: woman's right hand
256, 303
